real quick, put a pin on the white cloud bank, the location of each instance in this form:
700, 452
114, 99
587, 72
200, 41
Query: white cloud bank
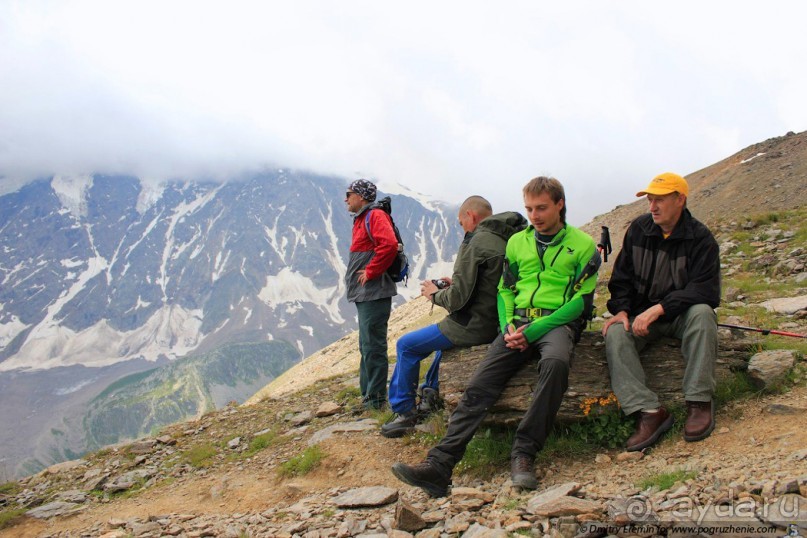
449, 99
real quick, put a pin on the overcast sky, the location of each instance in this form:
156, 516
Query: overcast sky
447, 98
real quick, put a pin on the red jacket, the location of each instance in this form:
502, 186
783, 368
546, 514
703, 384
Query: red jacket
383, 242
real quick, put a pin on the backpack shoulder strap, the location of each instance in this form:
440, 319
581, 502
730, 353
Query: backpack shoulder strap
367, 225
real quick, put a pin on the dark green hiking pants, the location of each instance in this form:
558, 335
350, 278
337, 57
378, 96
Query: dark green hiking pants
374, 366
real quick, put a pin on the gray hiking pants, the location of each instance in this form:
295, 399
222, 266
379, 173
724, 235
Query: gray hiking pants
697, 330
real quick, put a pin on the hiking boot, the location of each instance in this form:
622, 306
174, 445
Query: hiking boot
430, 402
423, 476
649, 427
401, 424
359, 408
700, 421
522, 472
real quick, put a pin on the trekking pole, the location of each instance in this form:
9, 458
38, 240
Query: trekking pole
763, 331
605, 243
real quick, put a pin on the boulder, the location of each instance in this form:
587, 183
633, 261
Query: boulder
767, 368
663, 364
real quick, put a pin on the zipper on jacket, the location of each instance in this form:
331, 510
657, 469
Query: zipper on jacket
552, 263
538, 278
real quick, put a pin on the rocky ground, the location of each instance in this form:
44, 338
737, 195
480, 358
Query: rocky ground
227, 473
755, 461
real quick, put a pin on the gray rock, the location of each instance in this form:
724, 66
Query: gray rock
139, 529
234, 443
65, 466
787, 510
351, 527
72, 496
367, 496
301, 418
96, 482
786, 305
551, 494
564, 506
54, 509
128, 480
460, 494
327, 409
457, 524
629, 456
769, 367
407, 518
142, 447
480, 531
782, 409
344, 427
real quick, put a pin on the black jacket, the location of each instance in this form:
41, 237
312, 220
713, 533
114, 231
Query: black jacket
678, 272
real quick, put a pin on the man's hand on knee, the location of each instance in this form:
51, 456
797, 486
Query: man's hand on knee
642, 322
621, 317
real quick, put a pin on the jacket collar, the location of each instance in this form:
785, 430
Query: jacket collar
555, 241
682, 230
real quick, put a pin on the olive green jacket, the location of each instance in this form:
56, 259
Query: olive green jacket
471, 298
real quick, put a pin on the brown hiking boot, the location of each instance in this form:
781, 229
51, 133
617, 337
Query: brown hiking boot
700, 421
522, 472
424, 476
649, 427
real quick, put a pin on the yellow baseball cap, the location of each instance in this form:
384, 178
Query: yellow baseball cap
665, 184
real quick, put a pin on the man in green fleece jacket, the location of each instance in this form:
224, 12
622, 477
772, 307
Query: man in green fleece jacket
469, 295
548, 282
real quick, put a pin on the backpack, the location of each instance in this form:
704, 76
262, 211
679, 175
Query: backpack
399, 269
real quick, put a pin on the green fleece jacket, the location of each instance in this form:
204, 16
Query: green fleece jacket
532, 280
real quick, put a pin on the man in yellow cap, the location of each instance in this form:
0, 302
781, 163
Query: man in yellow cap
665, 282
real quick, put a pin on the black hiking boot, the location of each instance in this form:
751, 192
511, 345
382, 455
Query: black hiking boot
430, 402
522, 472
423, 476
401, 424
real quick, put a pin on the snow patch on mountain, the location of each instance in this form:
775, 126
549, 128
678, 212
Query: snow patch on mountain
289, 288
393, 187
150, 194
72, 193
10, 330
171, 332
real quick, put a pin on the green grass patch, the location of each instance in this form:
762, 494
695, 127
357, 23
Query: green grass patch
349, 397
487, 452
304, 463
200, 455
736, 387
10, 517
260, 442
664, 481
10, 488
562, 445
381, 415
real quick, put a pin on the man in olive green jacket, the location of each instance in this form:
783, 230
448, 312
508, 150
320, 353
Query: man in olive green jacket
469, 295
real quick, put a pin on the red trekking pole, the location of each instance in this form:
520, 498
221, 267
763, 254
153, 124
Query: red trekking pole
763, 331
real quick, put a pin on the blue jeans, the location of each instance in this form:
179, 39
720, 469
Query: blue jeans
412, 348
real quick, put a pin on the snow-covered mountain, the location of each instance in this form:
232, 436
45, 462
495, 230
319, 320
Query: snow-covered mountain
97, 270
104, 276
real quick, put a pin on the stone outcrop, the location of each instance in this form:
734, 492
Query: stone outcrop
662, 360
